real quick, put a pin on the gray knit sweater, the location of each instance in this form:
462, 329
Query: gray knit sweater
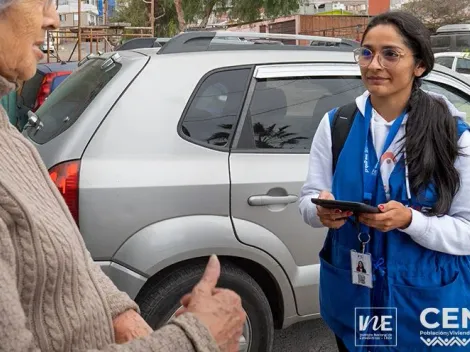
53, 297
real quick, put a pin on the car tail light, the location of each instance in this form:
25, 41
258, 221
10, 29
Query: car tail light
45, 88
66, 176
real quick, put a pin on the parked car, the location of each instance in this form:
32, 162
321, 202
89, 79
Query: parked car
451, 38
341, 42
165, 157
456, 61
36, 90
44, 47
48, 43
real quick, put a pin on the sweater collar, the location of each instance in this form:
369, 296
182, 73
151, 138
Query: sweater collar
6, 86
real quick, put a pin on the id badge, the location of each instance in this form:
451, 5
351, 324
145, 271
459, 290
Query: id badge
361, 268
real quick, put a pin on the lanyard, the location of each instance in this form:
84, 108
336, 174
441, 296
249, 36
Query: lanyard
370, 175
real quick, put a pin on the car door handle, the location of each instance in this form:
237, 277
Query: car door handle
271, 200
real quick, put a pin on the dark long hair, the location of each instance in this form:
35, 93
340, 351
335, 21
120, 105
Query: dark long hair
431, 144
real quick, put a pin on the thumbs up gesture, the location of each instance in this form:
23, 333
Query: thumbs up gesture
220, 310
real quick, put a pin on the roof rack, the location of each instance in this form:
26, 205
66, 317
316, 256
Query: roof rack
200, 41
454, 28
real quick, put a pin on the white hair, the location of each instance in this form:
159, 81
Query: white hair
5, 3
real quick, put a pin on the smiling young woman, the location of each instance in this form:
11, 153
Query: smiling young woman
406, 153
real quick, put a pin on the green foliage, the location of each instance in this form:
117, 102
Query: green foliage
249, 10
166, 24
135, 13
335, 13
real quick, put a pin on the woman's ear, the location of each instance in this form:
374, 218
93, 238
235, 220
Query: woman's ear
419, 69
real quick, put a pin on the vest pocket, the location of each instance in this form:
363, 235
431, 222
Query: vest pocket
339, 296
413, 302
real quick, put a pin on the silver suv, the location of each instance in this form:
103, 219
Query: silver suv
168, 155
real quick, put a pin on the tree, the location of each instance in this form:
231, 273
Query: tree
242, 10
250, 10
137, 14
435, 14
201, 10
180, 14
172, 16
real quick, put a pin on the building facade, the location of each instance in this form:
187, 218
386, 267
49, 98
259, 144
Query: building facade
377, 7
68, 13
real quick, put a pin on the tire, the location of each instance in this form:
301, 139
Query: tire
161, 299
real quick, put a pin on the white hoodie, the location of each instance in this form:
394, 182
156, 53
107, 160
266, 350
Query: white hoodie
448, 234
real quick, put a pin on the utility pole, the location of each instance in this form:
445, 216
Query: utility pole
152, 16
105, 12
79, 3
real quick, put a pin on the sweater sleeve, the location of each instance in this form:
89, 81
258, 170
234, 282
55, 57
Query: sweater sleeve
184, 334
450, 233
118, 301
319, 176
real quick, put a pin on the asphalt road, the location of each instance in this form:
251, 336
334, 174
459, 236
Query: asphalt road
310, 336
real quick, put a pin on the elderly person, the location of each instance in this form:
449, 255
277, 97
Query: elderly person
53, 297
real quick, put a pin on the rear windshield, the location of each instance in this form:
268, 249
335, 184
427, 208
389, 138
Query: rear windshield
30, 90
66, 103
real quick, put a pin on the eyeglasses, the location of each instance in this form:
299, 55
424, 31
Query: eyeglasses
388, 58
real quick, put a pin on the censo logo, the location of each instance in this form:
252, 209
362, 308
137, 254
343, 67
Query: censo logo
446, 327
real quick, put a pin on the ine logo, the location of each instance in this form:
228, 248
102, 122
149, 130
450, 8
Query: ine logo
376, 326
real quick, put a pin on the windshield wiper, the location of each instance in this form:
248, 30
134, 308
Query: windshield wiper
34, 122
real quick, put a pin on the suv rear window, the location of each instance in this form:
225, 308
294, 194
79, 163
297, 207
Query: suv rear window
66, 103
30, 90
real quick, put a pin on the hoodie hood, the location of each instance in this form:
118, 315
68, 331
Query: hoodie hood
362, 99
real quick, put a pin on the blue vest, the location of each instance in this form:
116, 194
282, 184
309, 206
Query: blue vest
407, 276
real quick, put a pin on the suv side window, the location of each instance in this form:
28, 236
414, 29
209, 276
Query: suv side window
446, 61
440, 41
462, 42
463, 66
215, 107
460, 101
284, 113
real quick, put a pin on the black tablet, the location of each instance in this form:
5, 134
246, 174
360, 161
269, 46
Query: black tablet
355, 207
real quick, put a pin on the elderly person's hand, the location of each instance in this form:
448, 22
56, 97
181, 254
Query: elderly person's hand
130, 325
219, 309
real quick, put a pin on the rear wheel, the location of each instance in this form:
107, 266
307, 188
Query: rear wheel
161, 300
